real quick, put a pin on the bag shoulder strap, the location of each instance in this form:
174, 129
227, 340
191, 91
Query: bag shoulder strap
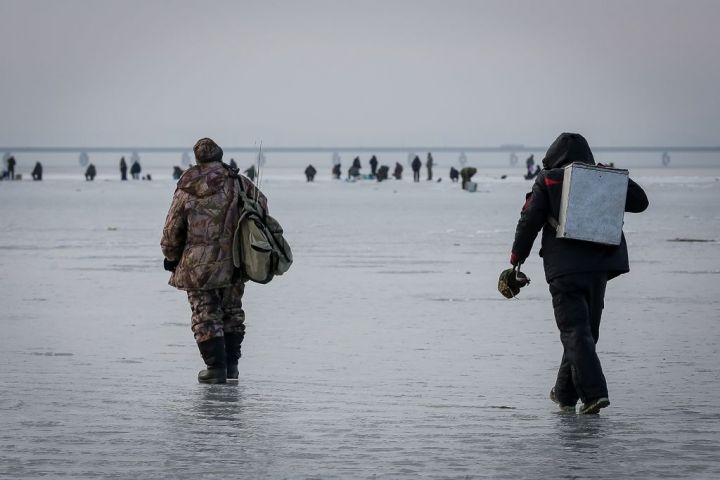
553, 223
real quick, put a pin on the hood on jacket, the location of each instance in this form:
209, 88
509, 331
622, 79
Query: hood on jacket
566, 149
204, 179
207, 151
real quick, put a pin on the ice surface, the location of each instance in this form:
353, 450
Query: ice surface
386, 350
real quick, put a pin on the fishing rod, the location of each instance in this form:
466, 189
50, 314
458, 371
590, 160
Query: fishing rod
259, 173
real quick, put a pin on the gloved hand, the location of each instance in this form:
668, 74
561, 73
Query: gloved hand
514, 259
170, 265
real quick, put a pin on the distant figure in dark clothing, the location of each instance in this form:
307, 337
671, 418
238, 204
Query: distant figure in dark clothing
177, 172
310, 172
37, 171
577, 273
135, 170
530, 164
429, 164
416, 165
382, 173
531, 175
466, 174
337, 171
90, 173
353, 172
233, 165
251, 173
454, 174
147, 177
356, 164
123, 169
398, 171
373, 165
11, 167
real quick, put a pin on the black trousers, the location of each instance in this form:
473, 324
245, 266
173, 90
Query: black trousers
578, 301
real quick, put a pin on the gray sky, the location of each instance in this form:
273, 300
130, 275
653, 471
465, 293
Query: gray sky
165, 73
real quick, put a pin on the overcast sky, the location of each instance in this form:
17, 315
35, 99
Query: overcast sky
164, 73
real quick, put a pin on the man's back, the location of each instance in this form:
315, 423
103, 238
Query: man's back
200, 226
563, 256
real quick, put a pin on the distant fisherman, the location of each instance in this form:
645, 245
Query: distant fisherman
37, 171
11, 167
251, 173
397, 173
310, 172
382, 173
90, 173
373, 165
466, 175
123, 169
135, 170
577, 272
416, 165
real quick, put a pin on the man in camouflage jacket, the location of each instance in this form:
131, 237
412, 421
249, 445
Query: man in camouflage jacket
197, 245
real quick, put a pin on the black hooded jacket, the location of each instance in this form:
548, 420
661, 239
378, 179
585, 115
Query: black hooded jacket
563, 256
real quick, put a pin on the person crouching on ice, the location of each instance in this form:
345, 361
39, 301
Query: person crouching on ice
577, 272
197, 245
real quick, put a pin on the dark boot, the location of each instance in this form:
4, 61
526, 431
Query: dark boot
213, 352
232, 353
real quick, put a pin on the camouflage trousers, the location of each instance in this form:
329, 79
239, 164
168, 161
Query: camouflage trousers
216, 312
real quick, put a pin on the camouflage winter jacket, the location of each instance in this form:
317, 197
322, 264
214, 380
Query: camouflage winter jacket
200, 225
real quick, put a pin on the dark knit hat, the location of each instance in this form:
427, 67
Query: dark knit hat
207, 151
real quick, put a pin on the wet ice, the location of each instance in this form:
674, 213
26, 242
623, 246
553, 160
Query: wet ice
386, 350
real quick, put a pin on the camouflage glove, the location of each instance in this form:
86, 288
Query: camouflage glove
511, 281
170, 265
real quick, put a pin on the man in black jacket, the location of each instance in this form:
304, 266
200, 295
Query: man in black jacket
416, 164
373, 166
577, 272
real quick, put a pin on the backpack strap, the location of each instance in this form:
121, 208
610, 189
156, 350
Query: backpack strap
553, 223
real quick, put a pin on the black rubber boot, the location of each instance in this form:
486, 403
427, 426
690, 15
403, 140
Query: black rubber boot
232, 353
213, 352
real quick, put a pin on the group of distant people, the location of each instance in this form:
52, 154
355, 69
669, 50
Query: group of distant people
417, 165
135, 171
382, 173
9, 173
90, 171
379, 173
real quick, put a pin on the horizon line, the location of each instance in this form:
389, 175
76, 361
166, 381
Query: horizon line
508, 148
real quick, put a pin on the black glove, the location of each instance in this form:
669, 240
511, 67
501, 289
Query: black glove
170, 265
